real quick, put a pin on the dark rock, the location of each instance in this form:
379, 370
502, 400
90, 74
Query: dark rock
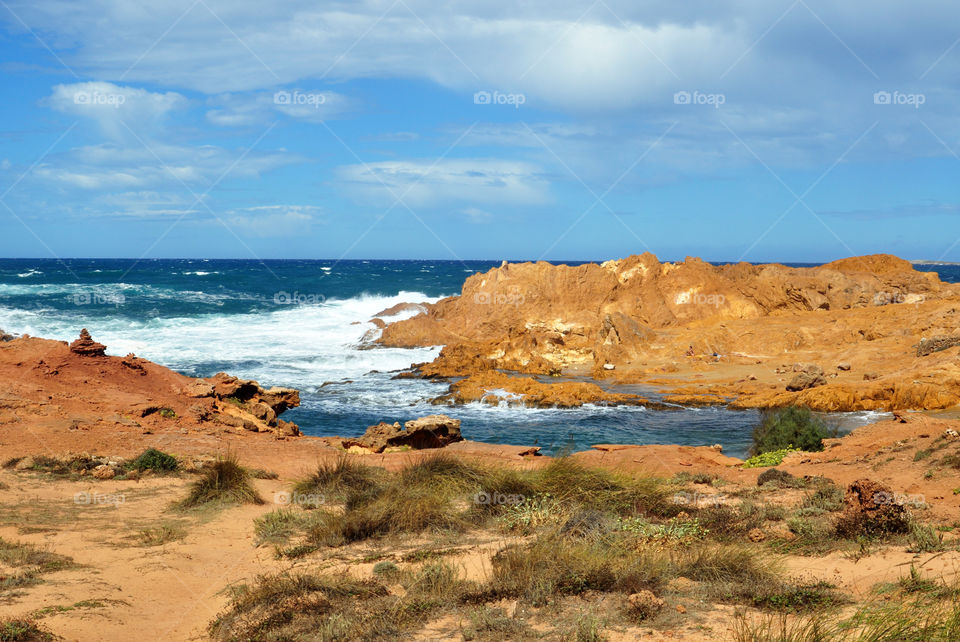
6, 337
86, 346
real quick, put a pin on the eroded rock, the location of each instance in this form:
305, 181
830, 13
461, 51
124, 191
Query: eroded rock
870, 508
432, 431
810, 377
86, 346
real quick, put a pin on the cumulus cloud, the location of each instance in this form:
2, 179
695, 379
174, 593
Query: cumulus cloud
619, 59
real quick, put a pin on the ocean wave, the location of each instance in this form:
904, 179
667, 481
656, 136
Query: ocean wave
296, 345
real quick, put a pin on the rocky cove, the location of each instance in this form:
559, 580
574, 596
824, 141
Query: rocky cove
101, 453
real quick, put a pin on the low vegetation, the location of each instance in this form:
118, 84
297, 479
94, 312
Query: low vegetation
22, 630
26, 564
792, 427
222, 481
154, 460
916, 609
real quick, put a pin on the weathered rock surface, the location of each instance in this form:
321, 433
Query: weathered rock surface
432, 431
86, 346
493, 387
638, 320
810, 377
936, 344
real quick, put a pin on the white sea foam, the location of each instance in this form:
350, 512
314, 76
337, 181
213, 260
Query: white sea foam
295, 345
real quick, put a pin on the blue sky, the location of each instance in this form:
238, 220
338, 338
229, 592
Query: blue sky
746, 130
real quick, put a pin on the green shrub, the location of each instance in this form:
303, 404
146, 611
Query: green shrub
155, 460
790, 427
385, 568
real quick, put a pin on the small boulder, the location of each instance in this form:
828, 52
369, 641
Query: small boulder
85, 346
645, 604
843, 366
6, 337
103, 471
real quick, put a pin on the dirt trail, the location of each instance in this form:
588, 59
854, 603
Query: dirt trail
166, 592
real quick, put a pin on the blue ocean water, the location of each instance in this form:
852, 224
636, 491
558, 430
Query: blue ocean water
300, 323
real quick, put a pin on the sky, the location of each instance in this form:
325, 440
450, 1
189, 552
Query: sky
757, 130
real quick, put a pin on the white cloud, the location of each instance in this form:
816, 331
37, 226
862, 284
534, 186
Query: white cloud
273, 220
259, 108
111, 166
477, 215
421, 183
113, 105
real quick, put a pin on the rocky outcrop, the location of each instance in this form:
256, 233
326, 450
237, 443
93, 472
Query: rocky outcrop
638, 320
244, 404
494, 388
606, 310
432, 431
5, 336
403, 308
79, 385
86, 346
936, 344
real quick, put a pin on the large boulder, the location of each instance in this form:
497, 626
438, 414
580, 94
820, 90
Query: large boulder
809, 377
870, 508
432, 431
85, 346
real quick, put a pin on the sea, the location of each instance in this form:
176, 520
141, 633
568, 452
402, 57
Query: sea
305, 324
